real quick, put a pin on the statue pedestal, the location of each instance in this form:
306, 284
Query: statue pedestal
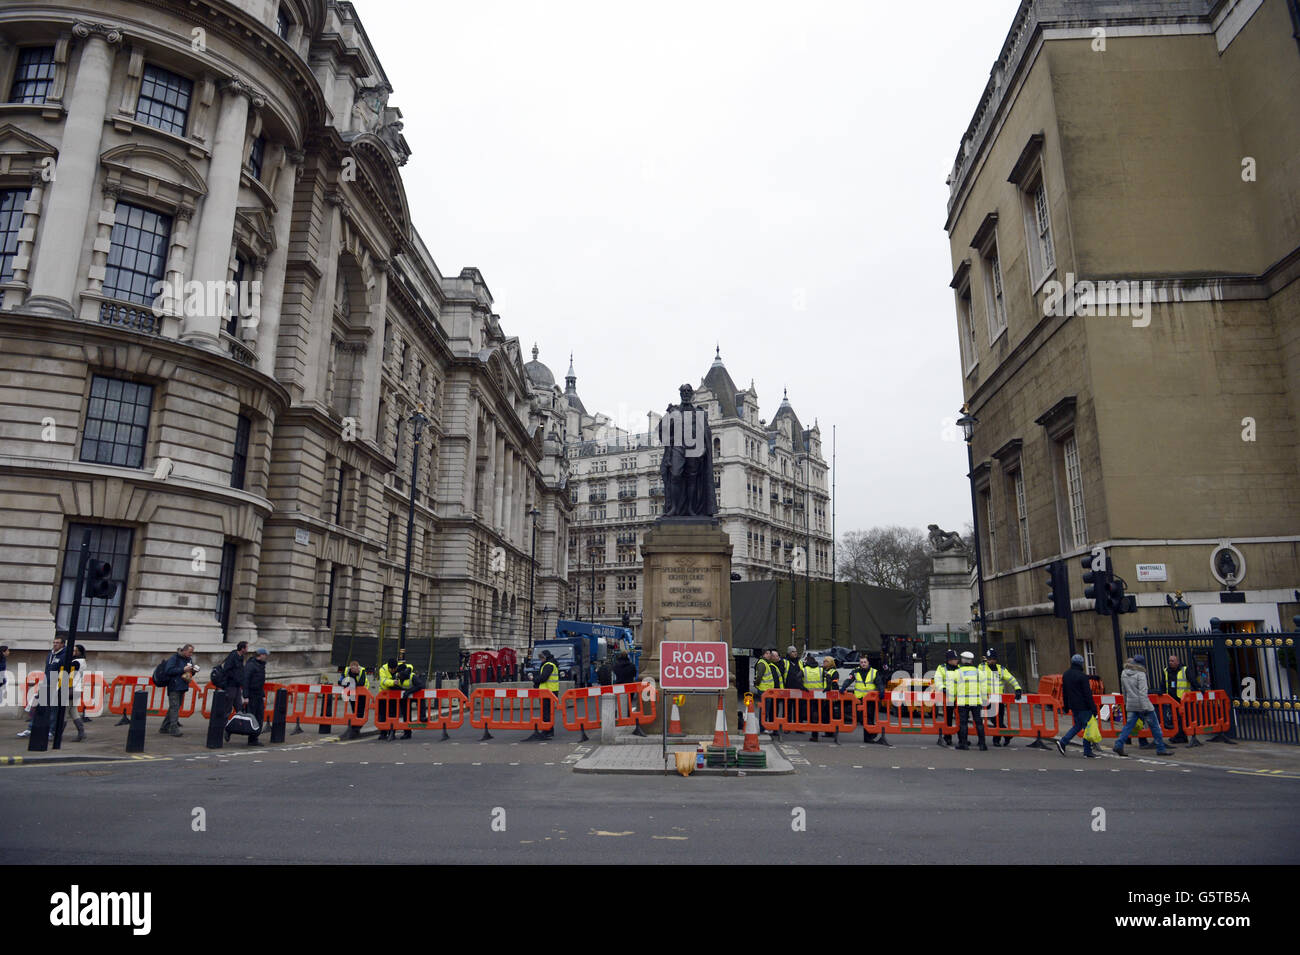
950, 591
687, 564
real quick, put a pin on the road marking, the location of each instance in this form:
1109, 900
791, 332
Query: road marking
677, 838
472, 764
929, 767
514, 764
365, 762
549, 764
1265, 773
399, 764
894, 767
329, 762
857, 767
602, 832
1005, 770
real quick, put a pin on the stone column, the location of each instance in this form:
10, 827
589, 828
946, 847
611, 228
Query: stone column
217, 225
268, 319
498, 477
54, 277
508, 496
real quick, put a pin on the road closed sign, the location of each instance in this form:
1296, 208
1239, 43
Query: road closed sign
693, 666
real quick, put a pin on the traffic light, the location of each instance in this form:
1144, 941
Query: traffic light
1096, 586
99, 582
1058, 589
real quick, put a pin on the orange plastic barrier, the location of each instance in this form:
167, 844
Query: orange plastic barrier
811, 711
1208, 711
580, 706
496, 709
909, 715
122, 690
424, 710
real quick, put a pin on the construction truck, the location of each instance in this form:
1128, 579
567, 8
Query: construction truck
581, 648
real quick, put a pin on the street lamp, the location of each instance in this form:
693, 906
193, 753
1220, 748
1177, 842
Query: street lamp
1180, 608
967, 423
807, 553
532, 579
418, 421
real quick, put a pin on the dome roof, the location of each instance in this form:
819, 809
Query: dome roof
539, 374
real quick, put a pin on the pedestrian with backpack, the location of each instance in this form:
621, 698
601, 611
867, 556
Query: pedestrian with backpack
228, 676
175, 674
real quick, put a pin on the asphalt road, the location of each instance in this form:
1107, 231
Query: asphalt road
513, 802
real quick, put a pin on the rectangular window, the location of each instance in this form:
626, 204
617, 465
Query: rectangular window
97, 616
226, 588
1031, 651
1074, 492
239, 461
1089, 661
1022, 517
117, 422
11, 220
33, 76
329, 595
991, 565
340, 484
164, 100
391, 537
1043, 225
993, 284
966, 317
255, 157
137, 258
282, 23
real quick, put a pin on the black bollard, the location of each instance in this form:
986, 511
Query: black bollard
217, 721
279, 716
139, 710
39, 741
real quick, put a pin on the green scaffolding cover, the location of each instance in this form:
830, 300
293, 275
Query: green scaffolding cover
762, 612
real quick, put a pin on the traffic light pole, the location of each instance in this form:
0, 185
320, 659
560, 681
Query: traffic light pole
69, 646
1116, 610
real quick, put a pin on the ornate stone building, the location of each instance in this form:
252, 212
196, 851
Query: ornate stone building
1125, 254
771, 481
217, 323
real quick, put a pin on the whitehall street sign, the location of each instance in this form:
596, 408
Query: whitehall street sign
685, 665
1152, 572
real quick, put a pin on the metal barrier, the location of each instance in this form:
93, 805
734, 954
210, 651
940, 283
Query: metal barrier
493, 709
811, 711
580, 706
424, 710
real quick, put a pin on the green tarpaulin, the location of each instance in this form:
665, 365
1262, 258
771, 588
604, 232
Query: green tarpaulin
762, 612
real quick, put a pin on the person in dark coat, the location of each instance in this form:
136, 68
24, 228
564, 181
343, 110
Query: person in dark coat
1077, 700
232, 675
255, 690
624, 669
178, 671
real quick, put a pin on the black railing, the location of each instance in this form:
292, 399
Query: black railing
1258, 671
135, 317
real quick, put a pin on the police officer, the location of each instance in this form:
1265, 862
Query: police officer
1179, 681
1000, 680
791, 672
866, 679
353, 680
945, 693
548, 678
972, 693
767, 677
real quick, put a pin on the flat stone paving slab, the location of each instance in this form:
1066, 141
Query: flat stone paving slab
621, 758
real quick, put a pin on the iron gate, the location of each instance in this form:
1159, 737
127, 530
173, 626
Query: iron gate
1257, 670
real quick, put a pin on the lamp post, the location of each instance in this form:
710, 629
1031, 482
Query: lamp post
532, 579
1180, 608
967, 423
807, 553
418, 421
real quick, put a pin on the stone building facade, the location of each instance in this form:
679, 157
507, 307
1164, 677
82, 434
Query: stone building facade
1125, 251
217, 323
771, 479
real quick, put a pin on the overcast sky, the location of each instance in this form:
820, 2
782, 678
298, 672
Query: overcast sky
638, 183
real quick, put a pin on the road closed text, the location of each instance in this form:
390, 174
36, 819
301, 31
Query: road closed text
694, 666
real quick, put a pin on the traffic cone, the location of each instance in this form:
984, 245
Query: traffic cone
675, 721
720, 727
751, 731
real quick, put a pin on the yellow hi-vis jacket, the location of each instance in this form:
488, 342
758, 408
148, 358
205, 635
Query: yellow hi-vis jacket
550, 681
814, 678
970, 684
768, 677
1180, 684
1000, 680
864, 684
388, 680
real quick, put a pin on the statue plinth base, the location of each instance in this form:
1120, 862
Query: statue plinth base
687, 565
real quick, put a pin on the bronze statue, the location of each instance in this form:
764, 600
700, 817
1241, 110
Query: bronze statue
687, 466
941, 541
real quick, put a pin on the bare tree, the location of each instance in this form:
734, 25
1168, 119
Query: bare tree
894, 557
